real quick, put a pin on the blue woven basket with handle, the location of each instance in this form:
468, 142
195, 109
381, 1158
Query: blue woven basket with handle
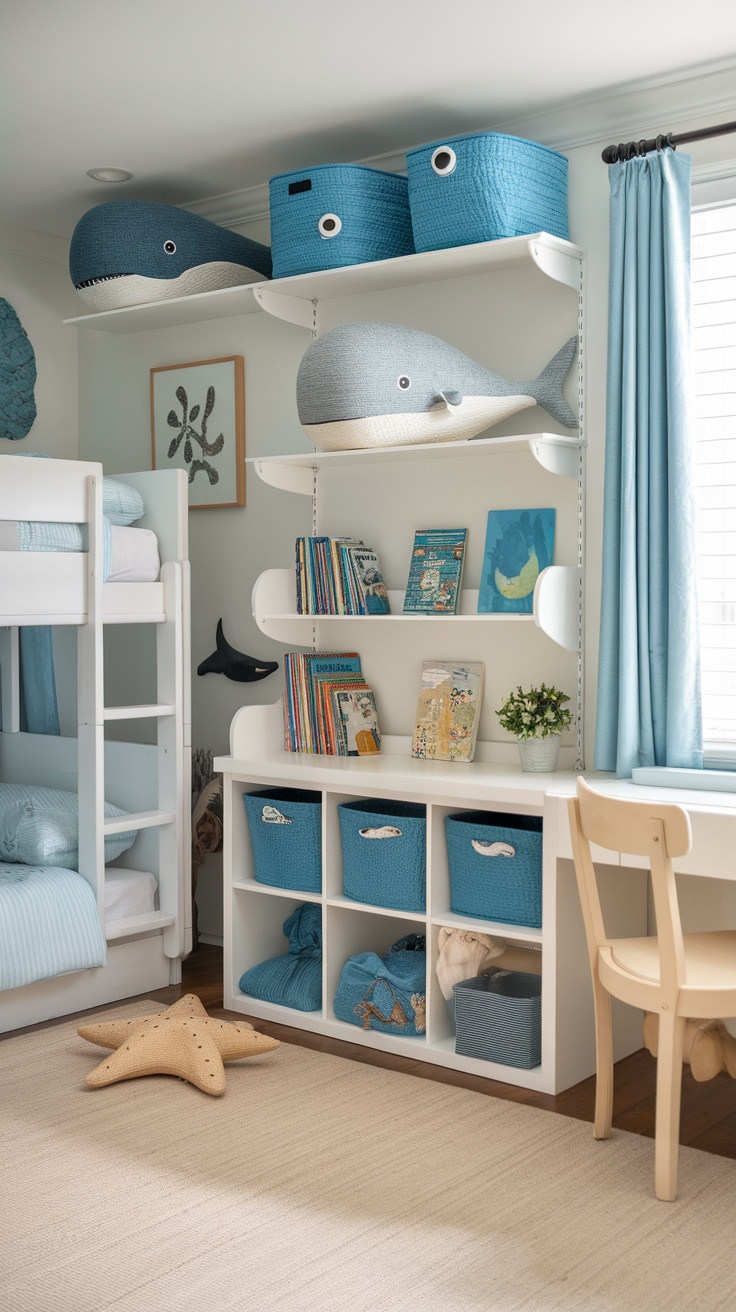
495, 865
337, 214
285, 826
384, 853
483, 187
498, 1017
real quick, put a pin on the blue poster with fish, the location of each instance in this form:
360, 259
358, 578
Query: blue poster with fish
519, 545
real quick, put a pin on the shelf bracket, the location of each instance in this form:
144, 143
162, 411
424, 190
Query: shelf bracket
556, 604
556, 457
282, 306
558, 265
288, 478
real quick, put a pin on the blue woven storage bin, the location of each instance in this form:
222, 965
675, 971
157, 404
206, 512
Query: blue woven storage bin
386, 993
388, 870
287, 853
496, 866
498, 1017
295, 978
337, 214
483, 187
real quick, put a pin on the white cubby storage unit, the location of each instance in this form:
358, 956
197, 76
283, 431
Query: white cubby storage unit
383, 496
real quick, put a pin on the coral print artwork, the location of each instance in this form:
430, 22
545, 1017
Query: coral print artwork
198, 425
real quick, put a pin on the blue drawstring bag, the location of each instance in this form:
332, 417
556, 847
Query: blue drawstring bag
294, 979
386, 993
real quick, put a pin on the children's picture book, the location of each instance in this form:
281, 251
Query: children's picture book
519, 545
356, 722
371, 589
435, 572
448, 710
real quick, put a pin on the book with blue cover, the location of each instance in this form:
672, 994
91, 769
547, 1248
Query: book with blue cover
435, 572
519, 545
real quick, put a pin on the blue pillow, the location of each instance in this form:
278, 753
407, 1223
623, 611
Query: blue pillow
121, 504
39, 827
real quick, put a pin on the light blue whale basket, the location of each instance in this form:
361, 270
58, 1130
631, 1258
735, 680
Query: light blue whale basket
335, 215
484, 187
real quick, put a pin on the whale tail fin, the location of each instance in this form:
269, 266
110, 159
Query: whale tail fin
547, 388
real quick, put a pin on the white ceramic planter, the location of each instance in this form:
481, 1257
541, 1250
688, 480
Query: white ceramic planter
539, 754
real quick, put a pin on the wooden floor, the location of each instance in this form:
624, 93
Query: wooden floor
708, 1110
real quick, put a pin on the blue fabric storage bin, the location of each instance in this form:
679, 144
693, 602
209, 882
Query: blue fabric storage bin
496, 866
386, 993
483, 187
337, 214
498, 1017
389, 869
295, 978
287, 851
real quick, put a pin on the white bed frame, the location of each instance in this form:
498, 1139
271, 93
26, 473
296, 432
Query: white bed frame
154, 783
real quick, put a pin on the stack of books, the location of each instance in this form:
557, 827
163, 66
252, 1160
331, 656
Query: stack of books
338, 576
328, 706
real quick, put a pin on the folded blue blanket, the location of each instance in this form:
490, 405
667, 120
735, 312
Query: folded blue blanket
48, 924
40, 535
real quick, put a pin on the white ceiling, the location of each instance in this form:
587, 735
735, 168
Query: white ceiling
204, 97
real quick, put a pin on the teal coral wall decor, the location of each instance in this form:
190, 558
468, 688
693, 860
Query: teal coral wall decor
17, 376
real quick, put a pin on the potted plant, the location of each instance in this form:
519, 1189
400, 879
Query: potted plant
536, 718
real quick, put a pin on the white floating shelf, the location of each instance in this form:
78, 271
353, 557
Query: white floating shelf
557, 259
555, 609
557, 454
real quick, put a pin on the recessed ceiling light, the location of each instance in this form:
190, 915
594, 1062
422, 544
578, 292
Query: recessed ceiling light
109, 173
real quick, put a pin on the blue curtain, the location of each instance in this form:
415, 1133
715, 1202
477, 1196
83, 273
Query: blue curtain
649, 708
39, 712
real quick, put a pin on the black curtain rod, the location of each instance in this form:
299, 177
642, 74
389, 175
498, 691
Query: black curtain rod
626, 150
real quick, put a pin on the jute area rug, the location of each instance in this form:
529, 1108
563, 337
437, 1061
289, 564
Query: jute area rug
318, 1183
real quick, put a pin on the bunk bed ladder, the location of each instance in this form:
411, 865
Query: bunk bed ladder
173, 804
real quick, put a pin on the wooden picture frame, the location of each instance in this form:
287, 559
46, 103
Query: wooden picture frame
198, 425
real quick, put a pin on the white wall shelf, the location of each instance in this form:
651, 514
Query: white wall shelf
556, 259
555, 610
295, 473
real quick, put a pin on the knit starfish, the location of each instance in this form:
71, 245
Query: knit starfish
182, 1041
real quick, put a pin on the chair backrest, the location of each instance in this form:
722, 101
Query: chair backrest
655, 830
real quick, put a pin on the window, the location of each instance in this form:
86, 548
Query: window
714, 411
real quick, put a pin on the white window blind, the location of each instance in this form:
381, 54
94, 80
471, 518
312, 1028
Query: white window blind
714, 410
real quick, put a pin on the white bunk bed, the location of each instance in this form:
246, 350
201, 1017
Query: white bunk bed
152, 783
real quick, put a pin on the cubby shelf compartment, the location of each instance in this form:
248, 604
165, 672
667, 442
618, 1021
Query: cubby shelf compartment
556, 259
295, 473
556, 609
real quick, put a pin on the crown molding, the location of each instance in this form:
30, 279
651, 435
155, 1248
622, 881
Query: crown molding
34, 245
630, 111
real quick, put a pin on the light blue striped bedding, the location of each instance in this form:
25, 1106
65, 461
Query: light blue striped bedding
48, 924
39, 535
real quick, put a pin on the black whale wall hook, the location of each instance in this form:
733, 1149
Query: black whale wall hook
234, 664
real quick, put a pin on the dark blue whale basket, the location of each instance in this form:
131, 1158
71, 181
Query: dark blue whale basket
335, 215
484, 187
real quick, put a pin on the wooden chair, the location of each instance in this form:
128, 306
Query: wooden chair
674, 975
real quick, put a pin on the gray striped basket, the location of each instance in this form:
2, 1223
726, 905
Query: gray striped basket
498, 1017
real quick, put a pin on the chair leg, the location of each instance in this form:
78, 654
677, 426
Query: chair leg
669, 1090
603, 1061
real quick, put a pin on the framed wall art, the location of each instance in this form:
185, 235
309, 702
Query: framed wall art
198, 425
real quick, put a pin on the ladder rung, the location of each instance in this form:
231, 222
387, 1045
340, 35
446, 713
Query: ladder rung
136, 712
120, 824
146, 923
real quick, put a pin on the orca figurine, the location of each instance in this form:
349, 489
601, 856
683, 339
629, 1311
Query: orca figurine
234, 664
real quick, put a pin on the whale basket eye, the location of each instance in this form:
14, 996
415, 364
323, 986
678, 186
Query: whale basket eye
170, 247
329, 225
403, 383
444, 160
